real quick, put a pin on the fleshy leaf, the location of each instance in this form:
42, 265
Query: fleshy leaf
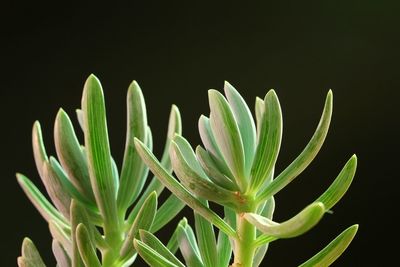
259, 110
227, 136
131, 179
98, 152
339, 187
59, 234
269, 143
174, 127
39, 150
58, 194
206, 240
168, 210
86, 247
188, 246
333, 250
178, 190
305, 157
70, 154
45, 208
60, 254
212, 171
293, 227
245, 123
201, 186
152, 257
143, 220
30, 256
154, 243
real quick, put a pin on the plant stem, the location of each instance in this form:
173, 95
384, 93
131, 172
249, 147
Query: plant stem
244, 244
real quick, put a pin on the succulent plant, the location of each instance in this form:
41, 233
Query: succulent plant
235, 169
94, 206
100, 216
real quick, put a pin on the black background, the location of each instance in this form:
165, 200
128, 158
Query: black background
176, 51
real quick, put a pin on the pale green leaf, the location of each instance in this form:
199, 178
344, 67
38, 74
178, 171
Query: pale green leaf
131, 179
333, 250
305, 157
154, 243
245, 123
39, 150
299, 224
30, 256
201, 186
206, 240
62, 258
188, 246
152, 257
174, 127
143, 220
227, 136
70, 154
168, 210
59, 234
211, 169
98, 152
86, 247
269, 142
178, 190
339, 187
45, 208
259, 110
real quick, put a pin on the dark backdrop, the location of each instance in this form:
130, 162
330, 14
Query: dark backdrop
176, 51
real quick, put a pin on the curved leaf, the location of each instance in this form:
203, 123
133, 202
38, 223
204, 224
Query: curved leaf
154, 243
305, 157
86, 247
188, 246
227, 136
70, 154
60, 254
30, 256
131, 180
269, 142
178, 190
98, 152
293, 227
339, 187
152, 257
333, 250
168, 210
245, 123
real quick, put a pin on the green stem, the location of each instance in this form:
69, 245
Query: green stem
244, 244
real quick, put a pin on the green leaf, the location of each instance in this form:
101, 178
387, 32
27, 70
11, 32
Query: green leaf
86, 247
178, 190
172, 244
78, 215
212, 171
68, 186
70, 154
98, 152
59, 234
339, 187
259, 110
305, 157
333, 250
54, 187
154, 243
131, 180
210, 144
60, 254
188, 246
245, 123
143, 220
293, 227
45, 208
39, 150
199, 185
206, 240
174, 127
152, 257
269, 141
79, 116
227, 136
168, 210
224, 249
30, 256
